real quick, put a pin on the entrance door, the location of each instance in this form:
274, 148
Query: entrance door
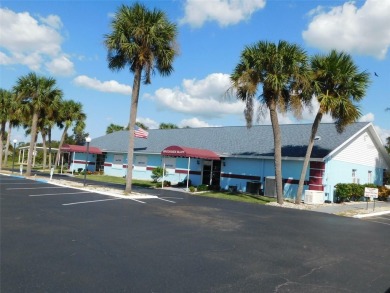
216, 175
211, 173
206, 177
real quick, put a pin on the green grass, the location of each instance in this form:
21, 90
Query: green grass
243, 197
118, 180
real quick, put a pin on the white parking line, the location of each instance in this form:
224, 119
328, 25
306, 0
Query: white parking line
33, 187
59, 193
172, 197
90, 201
166, 200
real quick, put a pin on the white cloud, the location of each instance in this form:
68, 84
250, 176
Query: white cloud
364, 30
225, 12
195, 123
52, 20
203, 98
367, 118
148, 122
110, 86
383, 133
60, 66
30, 41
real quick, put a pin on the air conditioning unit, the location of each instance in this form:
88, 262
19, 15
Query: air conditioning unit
314, 197
270, 187
355, 180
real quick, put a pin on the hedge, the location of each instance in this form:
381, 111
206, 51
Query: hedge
355, 192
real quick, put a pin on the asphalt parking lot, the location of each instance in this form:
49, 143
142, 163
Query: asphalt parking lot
58, 239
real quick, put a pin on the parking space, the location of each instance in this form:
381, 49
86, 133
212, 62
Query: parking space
62, 240
19, 186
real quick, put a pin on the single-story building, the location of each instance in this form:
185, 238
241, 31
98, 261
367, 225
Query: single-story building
243, 158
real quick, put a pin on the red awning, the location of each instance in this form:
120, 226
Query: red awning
71, 148
179, 151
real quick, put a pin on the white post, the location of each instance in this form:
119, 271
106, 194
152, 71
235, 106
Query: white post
188, 171
163, 179
74, 153
62, 162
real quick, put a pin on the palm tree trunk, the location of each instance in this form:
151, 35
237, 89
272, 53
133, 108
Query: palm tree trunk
49, 137
32, 142
278, 150
2, 132
44, 150
314, 129
61, 143
133, 117
7, 144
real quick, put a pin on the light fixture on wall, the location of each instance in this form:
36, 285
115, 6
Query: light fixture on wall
198, 162
224, 163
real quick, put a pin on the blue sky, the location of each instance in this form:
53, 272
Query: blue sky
64, 40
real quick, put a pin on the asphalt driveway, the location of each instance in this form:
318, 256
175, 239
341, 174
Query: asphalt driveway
57, 239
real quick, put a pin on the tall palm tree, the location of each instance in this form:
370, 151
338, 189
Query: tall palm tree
5, 116
337, 85
14, 122
282, 70
71, 113
144, 40
113, 128
36, 92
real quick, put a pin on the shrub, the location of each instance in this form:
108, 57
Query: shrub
157, 173
353, 191
202, 187
192, 189
184, 183
357, 191
383, 193
343, 191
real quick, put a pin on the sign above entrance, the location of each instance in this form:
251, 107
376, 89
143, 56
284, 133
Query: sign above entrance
180, 151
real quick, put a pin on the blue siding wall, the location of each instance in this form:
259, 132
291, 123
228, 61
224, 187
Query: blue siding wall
79, 162
114, 170
262, 168
341, 172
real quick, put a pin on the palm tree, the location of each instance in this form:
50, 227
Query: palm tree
36, 92
141, 125
337, 85
168, 126
14, 121
5, 107
113, 128
144, 40
71, 113
282, 70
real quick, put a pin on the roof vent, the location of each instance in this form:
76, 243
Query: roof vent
317, 137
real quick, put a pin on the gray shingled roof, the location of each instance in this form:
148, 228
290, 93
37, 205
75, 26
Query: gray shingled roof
234, 140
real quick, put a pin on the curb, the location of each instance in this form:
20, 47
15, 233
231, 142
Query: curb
359, 216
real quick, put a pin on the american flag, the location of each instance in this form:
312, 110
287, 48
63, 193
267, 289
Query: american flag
139, 132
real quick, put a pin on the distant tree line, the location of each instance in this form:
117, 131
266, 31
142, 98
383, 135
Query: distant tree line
36, 104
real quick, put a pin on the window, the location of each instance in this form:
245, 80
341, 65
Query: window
369, 179
354, 178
